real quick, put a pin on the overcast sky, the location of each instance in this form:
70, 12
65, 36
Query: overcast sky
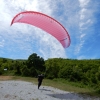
81, 18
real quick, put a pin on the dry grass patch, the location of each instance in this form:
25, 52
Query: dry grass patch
3, 78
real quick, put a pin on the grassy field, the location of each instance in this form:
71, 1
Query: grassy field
57, 83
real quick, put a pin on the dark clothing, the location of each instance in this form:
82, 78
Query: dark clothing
40, 78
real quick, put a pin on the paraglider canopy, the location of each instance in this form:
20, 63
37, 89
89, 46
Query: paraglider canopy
46, 23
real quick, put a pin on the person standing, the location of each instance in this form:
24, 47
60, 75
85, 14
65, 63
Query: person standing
40, 79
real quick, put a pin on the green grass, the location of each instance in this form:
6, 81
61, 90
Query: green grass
68, 86
60, 84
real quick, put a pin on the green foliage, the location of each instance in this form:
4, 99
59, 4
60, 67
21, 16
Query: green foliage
1, 71
25, 71
52, 69
17, 68
30, 67
36, 61
86, 72
33, 72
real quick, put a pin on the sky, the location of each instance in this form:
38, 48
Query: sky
81, 18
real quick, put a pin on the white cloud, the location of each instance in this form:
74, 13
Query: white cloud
84, 3
82, 35
85, 25
79, 46
1, 43
82, 13
85, 21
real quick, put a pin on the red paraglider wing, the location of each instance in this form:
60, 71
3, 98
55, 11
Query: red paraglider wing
46, 23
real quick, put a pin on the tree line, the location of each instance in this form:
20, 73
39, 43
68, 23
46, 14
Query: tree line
33, 66
84, 71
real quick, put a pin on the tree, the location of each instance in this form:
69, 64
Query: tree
36, 61
52, 69
25, 71
17, 66
1, 71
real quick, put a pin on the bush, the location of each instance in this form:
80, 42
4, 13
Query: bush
25, 71
1, 71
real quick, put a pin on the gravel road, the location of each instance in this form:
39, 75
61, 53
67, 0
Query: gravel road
21, 90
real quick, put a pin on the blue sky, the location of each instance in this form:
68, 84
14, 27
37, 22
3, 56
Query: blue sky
81, 18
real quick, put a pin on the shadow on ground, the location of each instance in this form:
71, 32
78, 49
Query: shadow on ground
73, 96
44, 89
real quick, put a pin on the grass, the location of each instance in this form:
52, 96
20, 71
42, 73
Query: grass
56, 83
69, 86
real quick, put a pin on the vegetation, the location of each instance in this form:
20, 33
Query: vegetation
81, 73
84, 72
